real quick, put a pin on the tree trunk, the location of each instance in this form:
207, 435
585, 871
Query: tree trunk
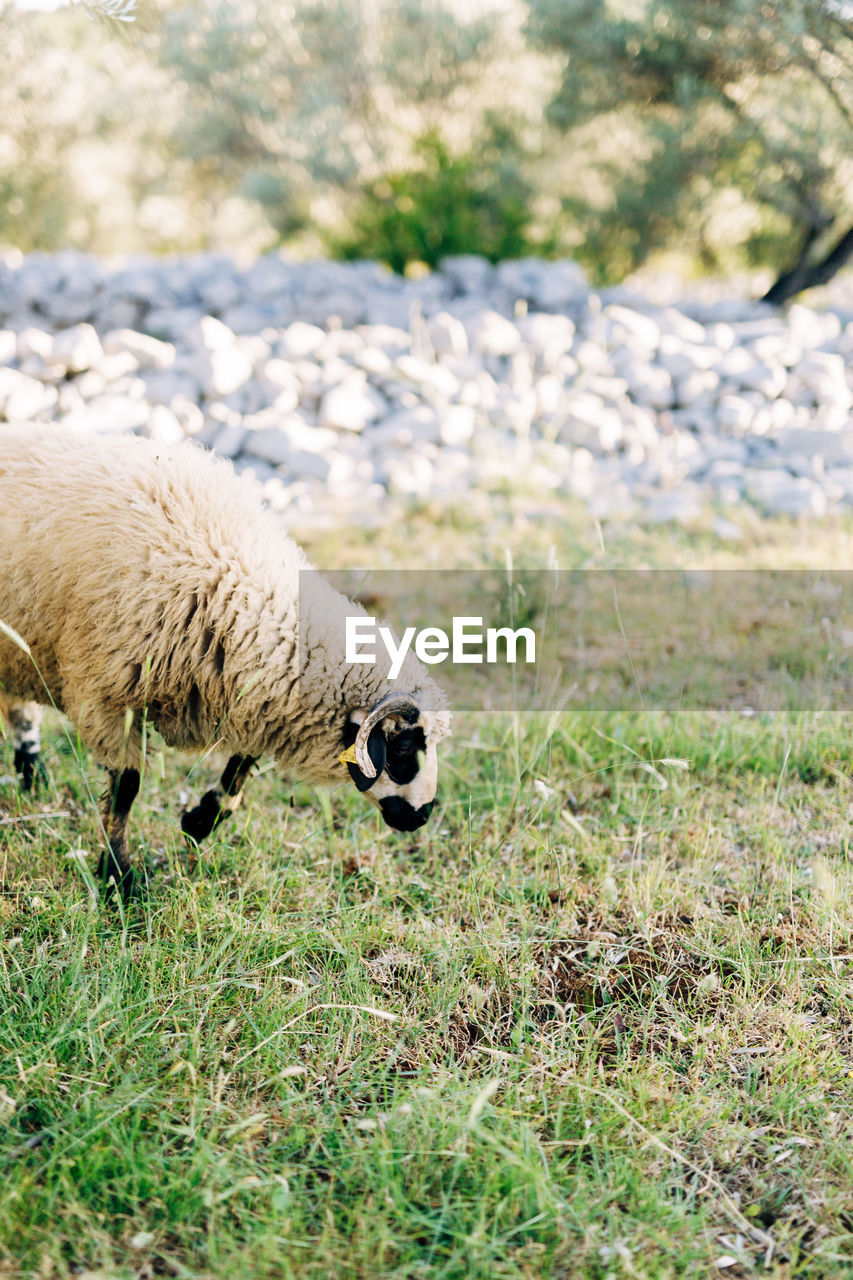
805, 274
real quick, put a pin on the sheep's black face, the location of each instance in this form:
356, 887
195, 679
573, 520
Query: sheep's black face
406, 772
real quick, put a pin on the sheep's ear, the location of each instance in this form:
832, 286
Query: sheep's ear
376, 749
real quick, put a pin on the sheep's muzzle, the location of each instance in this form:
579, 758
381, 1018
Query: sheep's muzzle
402, 816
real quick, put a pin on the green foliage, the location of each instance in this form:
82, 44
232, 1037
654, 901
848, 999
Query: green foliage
529, 1043
708, 98
596, 1029
474, 202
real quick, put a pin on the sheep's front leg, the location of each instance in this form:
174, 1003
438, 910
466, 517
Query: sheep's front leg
114, 869
25, 724
218, 803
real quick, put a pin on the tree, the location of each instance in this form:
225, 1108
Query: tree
742, 107
294, 107
474, 202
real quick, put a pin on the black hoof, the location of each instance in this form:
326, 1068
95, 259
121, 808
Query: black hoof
115, 876
30, 769
198, 823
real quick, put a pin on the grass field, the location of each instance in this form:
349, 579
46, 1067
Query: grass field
593, 1021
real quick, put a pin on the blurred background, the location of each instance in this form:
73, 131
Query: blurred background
570, 260
702, 138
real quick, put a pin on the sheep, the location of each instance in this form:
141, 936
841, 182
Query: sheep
145, 585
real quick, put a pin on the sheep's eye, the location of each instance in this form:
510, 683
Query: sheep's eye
404, 745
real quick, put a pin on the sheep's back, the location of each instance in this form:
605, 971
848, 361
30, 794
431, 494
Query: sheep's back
125, 563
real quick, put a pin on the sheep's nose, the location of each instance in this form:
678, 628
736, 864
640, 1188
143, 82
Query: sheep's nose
402, 816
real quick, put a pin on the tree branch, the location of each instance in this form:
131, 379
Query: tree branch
806, 275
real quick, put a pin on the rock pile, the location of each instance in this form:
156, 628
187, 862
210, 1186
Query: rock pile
338, 383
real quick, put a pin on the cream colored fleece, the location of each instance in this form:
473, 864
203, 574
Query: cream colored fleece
151, 580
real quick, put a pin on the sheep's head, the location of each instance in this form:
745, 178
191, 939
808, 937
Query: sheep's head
395, 757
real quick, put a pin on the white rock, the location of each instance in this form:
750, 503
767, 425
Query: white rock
269, 276
682, 506
269, 444
457, 424
318, 465
346, 343
172, 323
824, 374
386, 337
777, 492
812, 328
280, 383
834, 447
721, 336
373, 361
516, 410
310, 438
726, 530
93, 383
229, 440
590, 424
110, 414
23, 397
8, 346
547, 286
447, 336
550, 393
684, 327
638, 331
403, 428
736, 362
611, 388
163, 426
549, 336
113, 368
725, 448
221, 291
210, 334
697, 387
34, 342
427, 374
188, 414
467, 272
777, 349
591, 357
680, 358
761, 326
76, 349
650, 385
492, 335
69, 399
735, 413
728, 472
227, 370
148, 352
352, 405
411, 475
768, 380
119, 313
162, 386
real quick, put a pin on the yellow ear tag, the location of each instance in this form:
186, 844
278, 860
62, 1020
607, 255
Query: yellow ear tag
348, 756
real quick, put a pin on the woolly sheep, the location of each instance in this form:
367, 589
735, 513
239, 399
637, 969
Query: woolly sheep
151, 587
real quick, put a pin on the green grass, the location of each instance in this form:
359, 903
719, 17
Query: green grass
599, 1027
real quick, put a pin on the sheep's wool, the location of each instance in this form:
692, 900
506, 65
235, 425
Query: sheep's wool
151, 580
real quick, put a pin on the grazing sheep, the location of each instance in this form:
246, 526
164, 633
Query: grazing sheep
152, 588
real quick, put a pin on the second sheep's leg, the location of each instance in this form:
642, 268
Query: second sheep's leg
115, 870
218, 803
25, 726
